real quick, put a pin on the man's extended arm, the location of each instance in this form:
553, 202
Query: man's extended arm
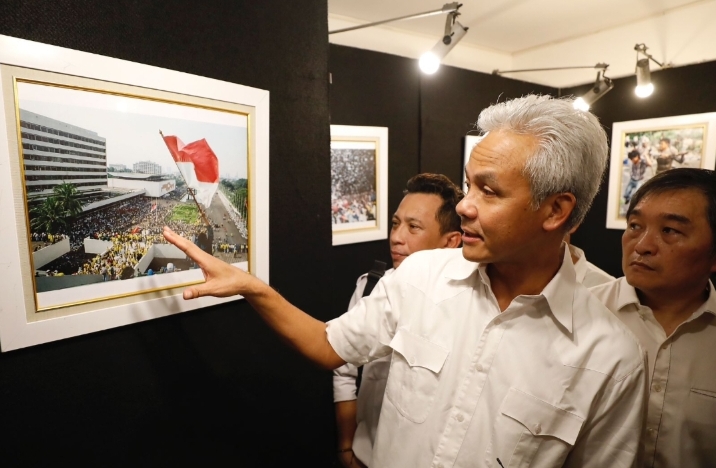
299, 329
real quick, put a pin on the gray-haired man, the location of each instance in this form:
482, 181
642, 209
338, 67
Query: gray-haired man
499, 356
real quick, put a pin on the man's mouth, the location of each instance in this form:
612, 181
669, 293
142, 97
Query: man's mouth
469, 235
643, 265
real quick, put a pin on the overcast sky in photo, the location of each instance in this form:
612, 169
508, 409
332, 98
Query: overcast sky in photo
131, 125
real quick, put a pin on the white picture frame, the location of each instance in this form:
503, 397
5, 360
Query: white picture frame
691, 141
23, 319
359, 184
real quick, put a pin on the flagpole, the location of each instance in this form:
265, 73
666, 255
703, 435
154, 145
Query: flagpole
189, 190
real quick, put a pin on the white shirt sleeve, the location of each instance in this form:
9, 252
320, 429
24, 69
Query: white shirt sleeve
363, 334
344, 378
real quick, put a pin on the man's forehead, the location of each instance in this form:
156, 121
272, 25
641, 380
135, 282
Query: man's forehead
688, 203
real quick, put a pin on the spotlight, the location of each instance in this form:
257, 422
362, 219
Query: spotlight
644, 86
602, 85
454, 31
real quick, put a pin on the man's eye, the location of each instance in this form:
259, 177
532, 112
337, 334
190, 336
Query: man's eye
487, 190
668, 230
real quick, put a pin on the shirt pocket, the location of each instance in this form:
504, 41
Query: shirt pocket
414, 374
526, 424
699, 428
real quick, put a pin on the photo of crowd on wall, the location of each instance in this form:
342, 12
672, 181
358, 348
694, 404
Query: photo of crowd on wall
649, 152
101, 182
353, 184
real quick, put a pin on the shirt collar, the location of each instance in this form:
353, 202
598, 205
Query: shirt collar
627, 295
580, 266
460, 268
559, 292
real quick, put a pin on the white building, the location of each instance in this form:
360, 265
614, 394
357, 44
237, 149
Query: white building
150, 184
117, 167
147, 167
56, 152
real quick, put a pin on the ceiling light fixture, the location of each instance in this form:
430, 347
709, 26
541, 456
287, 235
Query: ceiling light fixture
644, 86
602, 85
454, 31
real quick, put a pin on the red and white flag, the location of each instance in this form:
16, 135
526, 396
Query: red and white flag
154, 206
198, 165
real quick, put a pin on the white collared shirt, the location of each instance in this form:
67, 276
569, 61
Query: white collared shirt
681, 416
370, 400
554, 380
588, 273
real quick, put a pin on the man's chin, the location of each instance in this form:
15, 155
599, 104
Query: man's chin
475, 255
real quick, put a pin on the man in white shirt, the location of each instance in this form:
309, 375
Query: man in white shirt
426, 219
499, 356
668, 302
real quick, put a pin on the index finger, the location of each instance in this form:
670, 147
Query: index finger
186, 246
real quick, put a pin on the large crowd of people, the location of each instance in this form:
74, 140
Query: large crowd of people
353, 183
131, 226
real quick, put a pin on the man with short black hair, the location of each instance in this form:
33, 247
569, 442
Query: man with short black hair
426, 219
667, 300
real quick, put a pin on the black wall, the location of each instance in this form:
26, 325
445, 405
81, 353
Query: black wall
212, 387
678, 91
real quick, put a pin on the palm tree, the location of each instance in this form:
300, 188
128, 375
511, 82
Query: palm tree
48, 216
68, 199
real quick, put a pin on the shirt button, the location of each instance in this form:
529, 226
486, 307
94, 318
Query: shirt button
642, 316
478, 367
657, 388
538, 429
460, 418
440, 465
497, 321
412, 361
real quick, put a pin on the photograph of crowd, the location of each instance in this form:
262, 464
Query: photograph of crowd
647, 153
100, 183
353, 184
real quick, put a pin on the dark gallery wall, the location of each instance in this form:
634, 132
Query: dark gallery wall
212, 387
678, 91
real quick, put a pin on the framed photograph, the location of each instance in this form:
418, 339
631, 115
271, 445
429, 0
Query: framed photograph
100, 155
359, 183
644, 148
470, 142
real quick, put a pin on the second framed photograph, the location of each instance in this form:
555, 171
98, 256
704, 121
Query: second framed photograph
359, 183
644, 148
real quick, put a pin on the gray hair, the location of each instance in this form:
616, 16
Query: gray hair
572, 150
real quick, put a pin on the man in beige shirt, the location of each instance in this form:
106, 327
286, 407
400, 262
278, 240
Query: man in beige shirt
667, 300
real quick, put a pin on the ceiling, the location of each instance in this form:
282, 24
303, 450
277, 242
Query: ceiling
517, 34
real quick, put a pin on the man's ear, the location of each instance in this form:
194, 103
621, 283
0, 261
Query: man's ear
558, 207
452, 239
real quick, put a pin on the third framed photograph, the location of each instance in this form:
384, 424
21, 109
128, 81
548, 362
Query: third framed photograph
643, 148
359, 183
